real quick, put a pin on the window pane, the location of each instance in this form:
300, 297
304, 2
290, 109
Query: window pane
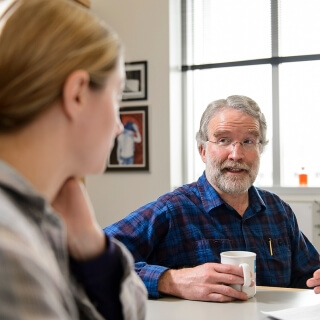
213, 84
299, 27
299, 121
228, 30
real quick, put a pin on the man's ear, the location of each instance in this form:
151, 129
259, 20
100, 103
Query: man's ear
74, 92
202, 151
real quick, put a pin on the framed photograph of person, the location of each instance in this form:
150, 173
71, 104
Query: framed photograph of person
130, 151
136, 81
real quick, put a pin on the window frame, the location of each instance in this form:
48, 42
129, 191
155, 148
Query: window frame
274, 61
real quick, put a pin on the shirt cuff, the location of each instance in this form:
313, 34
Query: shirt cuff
150, 275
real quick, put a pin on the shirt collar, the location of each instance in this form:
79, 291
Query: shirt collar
15, 183
209, 196
256, 202
211, 199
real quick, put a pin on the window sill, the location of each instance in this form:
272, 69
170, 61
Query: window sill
296, 193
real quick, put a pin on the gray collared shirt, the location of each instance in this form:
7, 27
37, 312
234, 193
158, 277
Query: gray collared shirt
34, 266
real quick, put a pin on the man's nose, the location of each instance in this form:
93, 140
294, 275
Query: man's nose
237, 151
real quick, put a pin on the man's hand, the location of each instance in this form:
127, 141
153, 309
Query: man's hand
84, 236
207, 282
315, 281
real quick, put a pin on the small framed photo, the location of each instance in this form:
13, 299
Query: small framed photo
130, 150
136, 81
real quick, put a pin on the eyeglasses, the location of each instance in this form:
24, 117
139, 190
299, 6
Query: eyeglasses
247, 144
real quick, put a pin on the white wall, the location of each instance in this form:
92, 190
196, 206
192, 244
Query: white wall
143, 26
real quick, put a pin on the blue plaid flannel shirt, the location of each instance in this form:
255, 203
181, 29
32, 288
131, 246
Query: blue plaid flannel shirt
192, 225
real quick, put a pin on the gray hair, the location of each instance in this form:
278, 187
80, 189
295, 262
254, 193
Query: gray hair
236, 102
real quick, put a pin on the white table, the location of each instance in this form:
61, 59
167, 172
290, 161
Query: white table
266, 299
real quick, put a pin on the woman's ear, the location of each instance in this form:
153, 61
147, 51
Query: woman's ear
74, 93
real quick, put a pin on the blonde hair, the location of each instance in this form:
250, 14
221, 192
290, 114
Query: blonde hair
41, 43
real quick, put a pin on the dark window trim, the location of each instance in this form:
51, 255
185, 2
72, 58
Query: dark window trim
272, 61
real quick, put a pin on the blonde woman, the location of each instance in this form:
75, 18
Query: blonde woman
61, 75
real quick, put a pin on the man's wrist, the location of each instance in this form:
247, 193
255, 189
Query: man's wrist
166, 284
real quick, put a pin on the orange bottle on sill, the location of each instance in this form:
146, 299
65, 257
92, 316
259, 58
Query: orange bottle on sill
303, 178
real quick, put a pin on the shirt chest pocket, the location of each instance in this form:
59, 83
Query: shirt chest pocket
275, 260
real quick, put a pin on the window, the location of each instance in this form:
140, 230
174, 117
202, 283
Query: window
268, 50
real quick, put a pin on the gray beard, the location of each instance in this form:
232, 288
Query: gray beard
231, 185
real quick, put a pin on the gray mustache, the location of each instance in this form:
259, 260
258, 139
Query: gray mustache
235, 165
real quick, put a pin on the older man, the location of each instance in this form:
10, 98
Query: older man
177, 240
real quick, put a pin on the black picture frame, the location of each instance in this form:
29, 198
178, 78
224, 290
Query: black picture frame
126, 154
136, 81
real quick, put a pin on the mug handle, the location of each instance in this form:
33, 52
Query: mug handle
246, 274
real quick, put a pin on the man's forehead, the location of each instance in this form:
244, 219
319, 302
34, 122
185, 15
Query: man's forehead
228, 121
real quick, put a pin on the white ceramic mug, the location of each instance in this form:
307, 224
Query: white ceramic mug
246, 260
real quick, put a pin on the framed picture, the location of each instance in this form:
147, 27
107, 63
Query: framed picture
136, 81
130, 150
